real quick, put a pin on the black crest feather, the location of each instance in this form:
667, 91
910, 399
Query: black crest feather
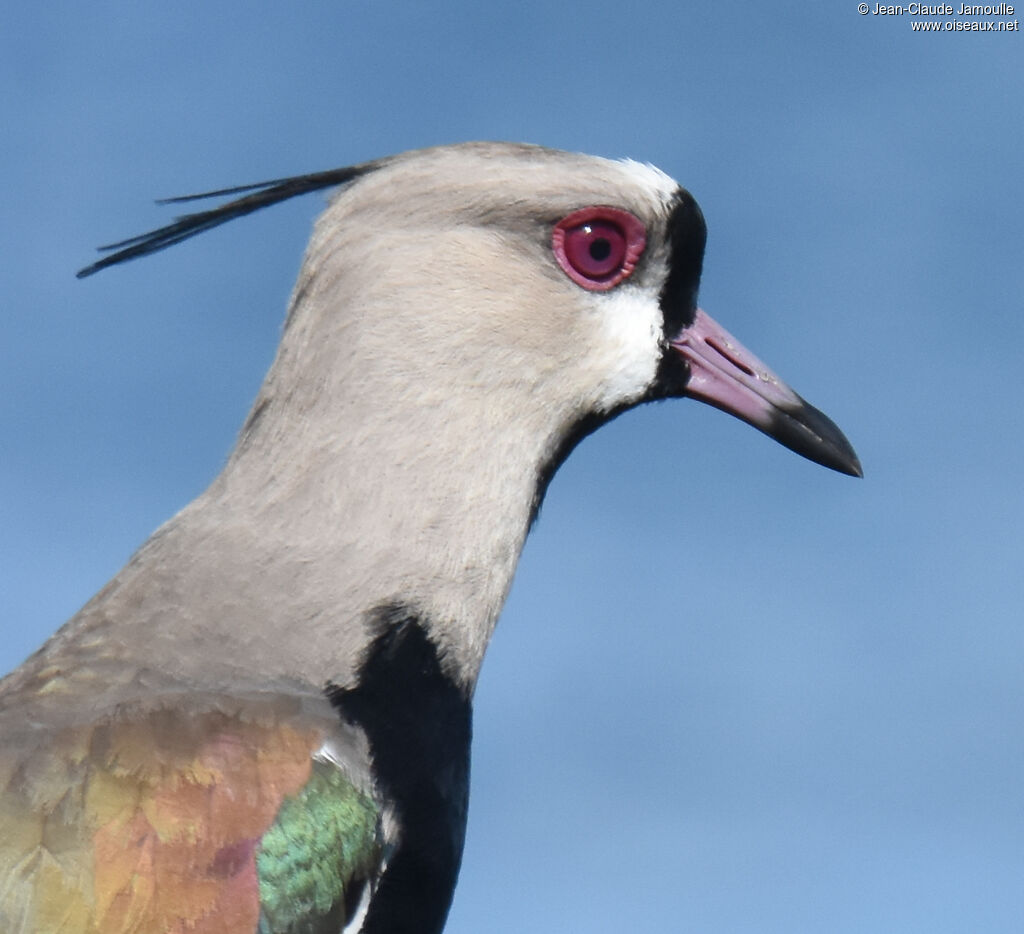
258, 195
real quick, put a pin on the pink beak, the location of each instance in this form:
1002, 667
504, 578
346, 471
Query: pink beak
725, 374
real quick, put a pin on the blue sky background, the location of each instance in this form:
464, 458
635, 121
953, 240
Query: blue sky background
731, 691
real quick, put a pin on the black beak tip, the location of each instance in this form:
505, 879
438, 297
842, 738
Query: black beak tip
811, 433
855, 469
849, 465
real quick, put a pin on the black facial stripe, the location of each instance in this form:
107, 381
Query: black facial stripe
418, 723
671, 378
687, 235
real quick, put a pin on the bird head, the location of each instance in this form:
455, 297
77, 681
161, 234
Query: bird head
558, 274
464, 315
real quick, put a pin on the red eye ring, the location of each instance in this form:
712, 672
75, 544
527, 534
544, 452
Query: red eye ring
598, 247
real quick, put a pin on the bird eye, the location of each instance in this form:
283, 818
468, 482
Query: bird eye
598, 247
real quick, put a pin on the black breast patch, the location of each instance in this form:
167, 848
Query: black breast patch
418, 722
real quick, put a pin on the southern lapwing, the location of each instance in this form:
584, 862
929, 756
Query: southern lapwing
262, 723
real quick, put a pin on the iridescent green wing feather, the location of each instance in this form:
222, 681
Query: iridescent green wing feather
180, 823
318, 856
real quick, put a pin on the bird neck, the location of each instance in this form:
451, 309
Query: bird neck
357, 494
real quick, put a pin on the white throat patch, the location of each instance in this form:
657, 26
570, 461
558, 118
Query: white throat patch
631, 326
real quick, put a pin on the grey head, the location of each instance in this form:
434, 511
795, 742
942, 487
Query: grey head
463, 316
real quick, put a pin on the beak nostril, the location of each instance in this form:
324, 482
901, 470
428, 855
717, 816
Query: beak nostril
724, 352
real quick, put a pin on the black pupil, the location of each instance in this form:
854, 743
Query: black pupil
600, 249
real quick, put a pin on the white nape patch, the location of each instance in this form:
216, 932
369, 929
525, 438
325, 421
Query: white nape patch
631, 323
651, 177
